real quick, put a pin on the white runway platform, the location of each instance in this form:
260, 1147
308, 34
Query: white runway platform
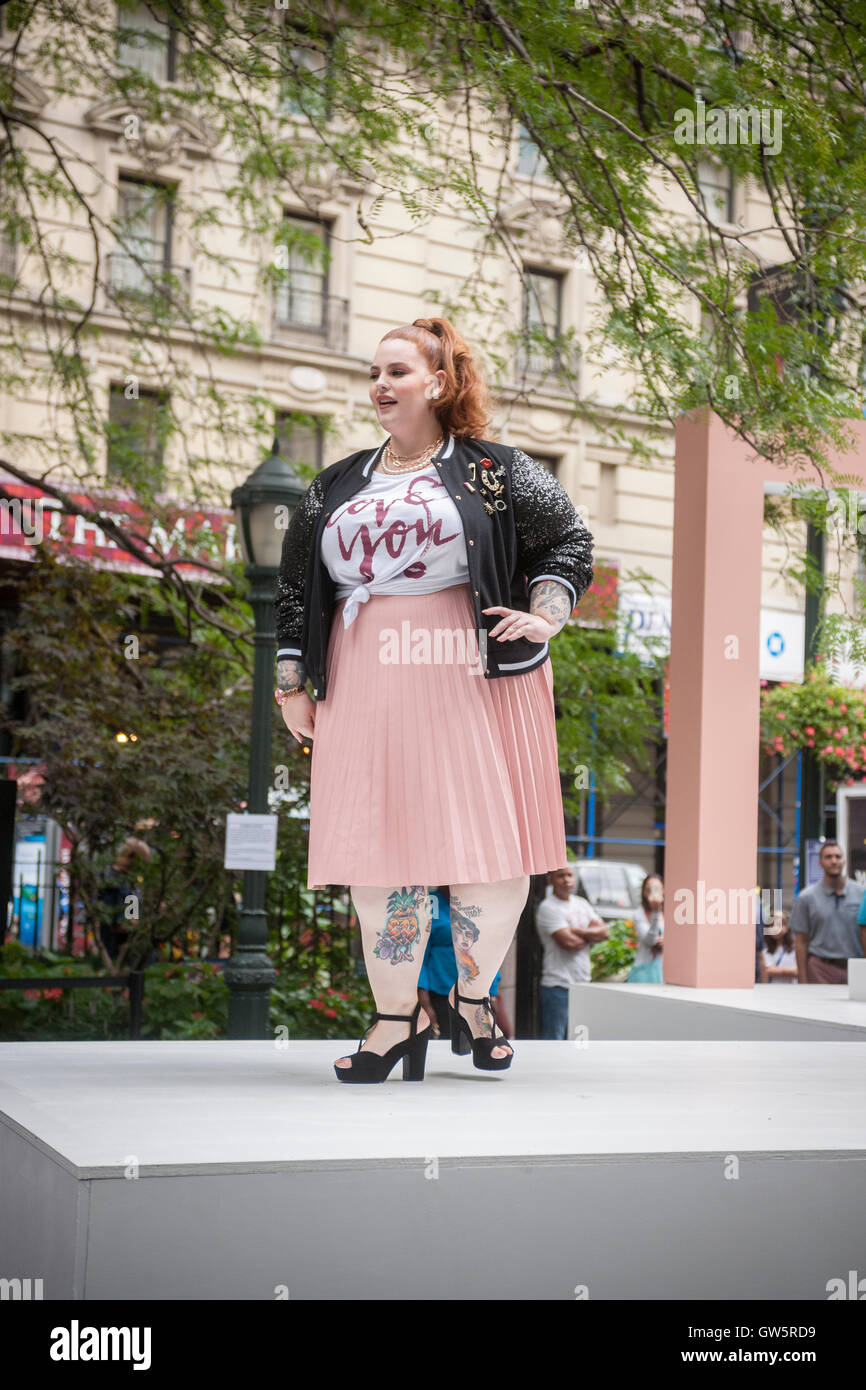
766, 1013
621, 1170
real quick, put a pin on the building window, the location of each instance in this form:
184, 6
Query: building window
530, 161
145, 43
542, 314
142, 264
300, 439
138, 427
607, 494
301, 300
305, 75
716, 190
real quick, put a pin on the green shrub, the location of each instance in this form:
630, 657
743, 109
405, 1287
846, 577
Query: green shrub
316, 1010
182, 1000
613, 957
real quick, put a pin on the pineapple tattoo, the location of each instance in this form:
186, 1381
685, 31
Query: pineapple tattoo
408, 910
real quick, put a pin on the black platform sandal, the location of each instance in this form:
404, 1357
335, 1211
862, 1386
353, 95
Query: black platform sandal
462, 1040
369, 1067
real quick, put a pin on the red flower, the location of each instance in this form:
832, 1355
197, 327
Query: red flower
330, 1013
197, 1015
52, 994
31, 994
316, 1004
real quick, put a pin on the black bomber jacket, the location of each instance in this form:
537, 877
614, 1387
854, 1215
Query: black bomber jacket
528, 530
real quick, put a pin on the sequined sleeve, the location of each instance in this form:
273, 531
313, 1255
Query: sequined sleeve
552, 541
289, 593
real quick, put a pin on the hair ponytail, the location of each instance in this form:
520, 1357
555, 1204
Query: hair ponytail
463, 408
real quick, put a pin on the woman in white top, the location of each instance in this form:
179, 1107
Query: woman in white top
423, 771
779, 963
649, 928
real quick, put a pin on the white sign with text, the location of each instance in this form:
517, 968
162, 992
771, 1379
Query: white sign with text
251, 842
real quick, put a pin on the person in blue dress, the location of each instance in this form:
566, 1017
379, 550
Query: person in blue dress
439, 969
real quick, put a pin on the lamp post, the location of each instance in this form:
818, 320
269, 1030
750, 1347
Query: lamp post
271, 491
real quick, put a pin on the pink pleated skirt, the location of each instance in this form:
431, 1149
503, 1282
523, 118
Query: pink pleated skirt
423, 770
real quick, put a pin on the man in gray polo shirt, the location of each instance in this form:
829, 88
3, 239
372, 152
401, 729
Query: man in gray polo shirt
824, 923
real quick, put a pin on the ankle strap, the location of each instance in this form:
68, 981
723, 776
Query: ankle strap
400, 1018
464, 999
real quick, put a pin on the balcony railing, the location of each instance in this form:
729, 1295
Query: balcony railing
312, 313
136, 277
531, 359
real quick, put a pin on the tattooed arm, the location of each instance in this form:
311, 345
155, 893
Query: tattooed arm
290, 674
551, 600
554, 546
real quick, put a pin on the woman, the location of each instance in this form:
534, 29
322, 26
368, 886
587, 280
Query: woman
420, 585
779, 962
649, 927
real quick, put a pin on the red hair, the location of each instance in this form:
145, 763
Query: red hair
463, 407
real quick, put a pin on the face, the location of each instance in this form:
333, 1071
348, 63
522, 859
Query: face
653, 890
464, 937
563, 882
832, 860
399, 376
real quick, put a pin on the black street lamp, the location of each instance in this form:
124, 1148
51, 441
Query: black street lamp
266, 499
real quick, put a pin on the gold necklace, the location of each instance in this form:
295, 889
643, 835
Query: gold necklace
411, 464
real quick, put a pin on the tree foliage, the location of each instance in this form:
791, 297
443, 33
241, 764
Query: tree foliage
418, 105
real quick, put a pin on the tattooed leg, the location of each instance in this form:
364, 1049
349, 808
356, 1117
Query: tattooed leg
552, 601
395, 928
484, 917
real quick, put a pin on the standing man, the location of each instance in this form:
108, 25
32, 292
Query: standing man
111, 926
824, 922
567, 925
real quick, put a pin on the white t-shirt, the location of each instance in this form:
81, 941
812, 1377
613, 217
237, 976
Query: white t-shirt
563, 967
400, 535
779, 956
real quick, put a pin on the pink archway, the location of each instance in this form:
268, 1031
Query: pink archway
712, 831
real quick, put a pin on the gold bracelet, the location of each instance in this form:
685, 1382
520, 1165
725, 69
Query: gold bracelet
282, 695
